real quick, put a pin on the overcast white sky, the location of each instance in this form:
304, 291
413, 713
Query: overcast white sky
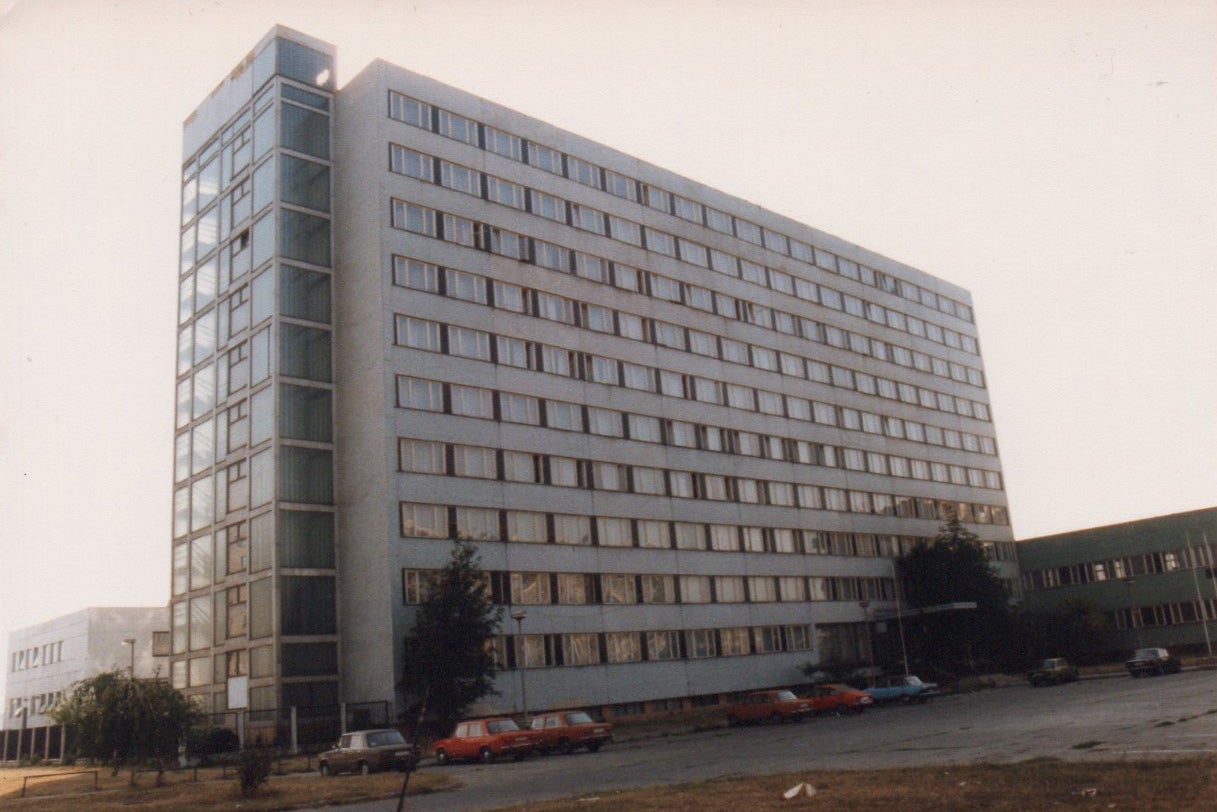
1059, 160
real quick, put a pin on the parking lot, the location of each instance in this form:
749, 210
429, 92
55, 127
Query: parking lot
1092, 719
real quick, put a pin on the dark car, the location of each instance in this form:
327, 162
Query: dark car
366, 751
564, 731
1053, 671
1156, 661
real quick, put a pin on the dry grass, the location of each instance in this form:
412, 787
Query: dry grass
214, 789
1181, 786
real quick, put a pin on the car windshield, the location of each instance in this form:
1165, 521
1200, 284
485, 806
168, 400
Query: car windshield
578, 718
502, 726
385, 738
1048, 664
1145, 653
786, 696
912, 680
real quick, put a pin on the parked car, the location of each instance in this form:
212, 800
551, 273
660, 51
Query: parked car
485, 739
768, 706
838, 699
1053, 671
564, 731
902, 688
1157, 661
366, 751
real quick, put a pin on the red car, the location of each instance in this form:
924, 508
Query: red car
486, 740
564, 731
839, 699
768, 706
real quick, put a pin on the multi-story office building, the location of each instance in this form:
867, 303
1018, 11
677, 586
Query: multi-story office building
44, 660
688, 436
1154, 580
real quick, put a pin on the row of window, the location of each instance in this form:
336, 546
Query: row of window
34, 705
35, 656
465, 286
618, 589
425, 116
1195, 557
420, 520
440, 225
1165, 614
509, 407
468, 342
473, 182
595, 648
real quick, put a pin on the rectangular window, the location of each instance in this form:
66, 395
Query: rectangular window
461, 178
408, 162
458, 128
623, 647
505, 144
413, 393
614, 532
701, 643
733, 642
411, 111
519, 466
474, 461
477, 524
526, 526
576, 530
663, 645
580, 649
472, 401
505, 192
523, 409
620, 186
728, 589
422, 457
618, 589
530, 588
424, 521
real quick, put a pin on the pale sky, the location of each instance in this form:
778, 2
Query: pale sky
1058, 160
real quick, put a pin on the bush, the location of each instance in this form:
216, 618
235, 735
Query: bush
254, 769
205, 743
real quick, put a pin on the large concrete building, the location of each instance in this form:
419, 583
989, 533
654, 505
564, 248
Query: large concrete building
1154, 580
687, 435
46, 658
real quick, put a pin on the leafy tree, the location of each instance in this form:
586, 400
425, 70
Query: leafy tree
119, 720
449, 663
954, 569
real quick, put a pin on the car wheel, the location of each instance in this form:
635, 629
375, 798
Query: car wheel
776, 718
593, 747
364, 769
732, 720
564, 747
441, 756
905, 699
323, 768
839, 710
487, 755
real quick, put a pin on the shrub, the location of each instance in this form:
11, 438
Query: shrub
254, 769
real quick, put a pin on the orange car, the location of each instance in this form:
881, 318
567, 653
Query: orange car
486, 740
768, 706
564, 731
839, 699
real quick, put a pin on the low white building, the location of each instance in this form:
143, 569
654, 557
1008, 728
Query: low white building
45, 659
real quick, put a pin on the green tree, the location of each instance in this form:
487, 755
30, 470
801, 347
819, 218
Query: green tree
449, 663
951, 569
119, 720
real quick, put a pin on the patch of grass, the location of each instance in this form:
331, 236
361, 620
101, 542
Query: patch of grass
1185, 785
214, 789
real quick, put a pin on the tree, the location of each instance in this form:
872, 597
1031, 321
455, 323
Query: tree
119, 720
953, 569
449, 663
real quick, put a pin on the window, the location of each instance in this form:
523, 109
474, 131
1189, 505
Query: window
647, 480
408, 162
505, 192
458, 128
474, 461
422, 457
519, 409
548, 206
424, 521
653, 533
468, 343
618, 589
564, 472
623, 647
658, 589
519, 466
413, 217
767, 639
505, 144
411, 111
762, 589
663, 645
701, 643
471, 401
728, 589
733, 642
582, 172
526, 526
625, 230
413, 393
466, 286
530, 588
411, 273
605, 422
644, 428
580, 649
478, 524
694, 589
572, 530
544, 158
512, 352
418, 334
588, 219
614, 532
574, 589
564, 416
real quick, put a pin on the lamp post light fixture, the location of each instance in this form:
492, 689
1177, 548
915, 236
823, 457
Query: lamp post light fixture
130, 641
518, 616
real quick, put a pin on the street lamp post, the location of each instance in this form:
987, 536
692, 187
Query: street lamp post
1134, 616
130, 641
518, 616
